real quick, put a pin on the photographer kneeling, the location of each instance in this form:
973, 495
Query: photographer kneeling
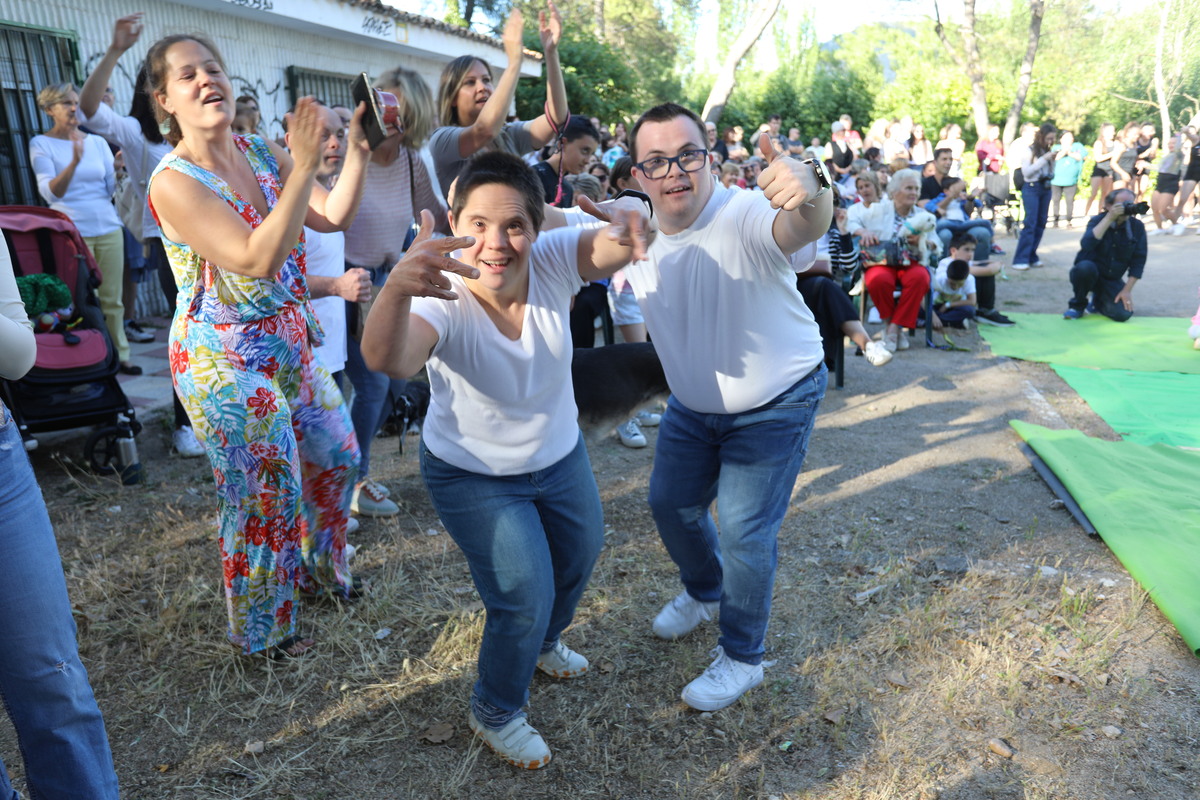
1114, 243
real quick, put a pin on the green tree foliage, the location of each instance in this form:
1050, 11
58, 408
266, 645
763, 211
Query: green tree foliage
599, 82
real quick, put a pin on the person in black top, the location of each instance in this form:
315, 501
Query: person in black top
579, 142
931, 185
1113, 245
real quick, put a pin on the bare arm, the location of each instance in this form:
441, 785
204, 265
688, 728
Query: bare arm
628, 235
334, 209
353, 285
394, 341
789, 184
550, 30
191, 213
126, 32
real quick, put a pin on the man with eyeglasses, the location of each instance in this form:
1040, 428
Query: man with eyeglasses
743, 358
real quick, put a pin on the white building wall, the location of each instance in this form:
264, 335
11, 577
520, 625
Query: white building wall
259, 44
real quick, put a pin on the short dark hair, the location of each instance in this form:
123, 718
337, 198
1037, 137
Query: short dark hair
949, 181
962, 239
505, 169
579, 126
958, 270
937, 153
664, 113
774, 117
1112, 196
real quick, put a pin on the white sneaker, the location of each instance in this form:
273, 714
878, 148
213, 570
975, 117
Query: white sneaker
1020, 267
890, 341
1178, 229
877, 355
562, 662
648, 419
901, 340
631, 435
722, 683
369, 500
352, 526
518, 742
184, 442
681, 616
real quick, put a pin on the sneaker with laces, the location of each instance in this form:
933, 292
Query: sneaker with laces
647, 419
877, 355
518, 742
136, 333
1073, 313
631, 435
681, 616
562, 662
185, 443
369, 501
722, 683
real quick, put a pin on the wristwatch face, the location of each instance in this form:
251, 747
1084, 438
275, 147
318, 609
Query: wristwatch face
822, 173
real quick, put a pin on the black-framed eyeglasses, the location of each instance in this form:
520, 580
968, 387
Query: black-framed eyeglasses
659, 166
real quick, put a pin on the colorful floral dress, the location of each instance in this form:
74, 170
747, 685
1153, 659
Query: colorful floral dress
270, 416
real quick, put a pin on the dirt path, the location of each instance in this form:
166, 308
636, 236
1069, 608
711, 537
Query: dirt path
931, 598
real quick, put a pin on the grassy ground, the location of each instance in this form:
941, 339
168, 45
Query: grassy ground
931, 600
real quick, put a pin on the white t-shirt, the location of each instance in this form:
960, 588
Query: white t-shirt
88, 199
141, 157
943, 292
503, 407
325, 252
720, 300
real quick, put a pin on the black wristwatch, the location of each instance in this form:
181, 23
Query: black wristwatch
822, 174
645, 198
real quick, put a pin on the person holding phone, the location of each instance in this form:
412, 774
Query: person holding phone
284, 457
472, 109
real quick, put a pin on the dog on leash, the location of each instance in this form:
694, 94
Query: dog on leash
613, 383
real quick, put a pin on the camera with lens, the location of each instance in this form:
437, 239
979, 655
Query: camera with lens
1135, 209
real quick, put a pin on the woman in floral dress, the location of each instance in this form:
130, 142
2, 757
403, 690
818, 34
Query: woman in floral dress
270, 417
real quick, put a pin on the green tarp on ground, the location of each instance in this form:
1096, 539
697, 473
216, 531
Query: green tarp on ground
1143, 501
1145, 344
1143, 407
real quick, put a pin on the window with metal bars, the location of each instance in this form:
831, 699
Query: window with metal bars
30, 59
331, 88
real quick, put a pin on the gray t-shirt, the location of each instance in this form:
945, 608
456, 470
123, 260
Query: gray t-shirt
443, 145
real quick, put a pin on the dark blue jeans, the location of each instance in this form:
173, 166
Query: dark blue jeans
748, 463
531, 541
981, 229
42, 681
1035, 198
1085, 280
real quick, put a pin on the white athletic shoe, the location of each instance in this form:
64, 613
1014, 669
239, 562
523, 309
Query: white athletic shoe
185, 443
562, 662
877, 355
1020, 267
722, 683
631, 435
518, 742
681, 616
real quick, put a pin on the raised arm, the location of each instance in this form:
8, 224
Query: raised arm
488, 124
189, 212
126, 32
550, 30
394, 341
334, 209
789, 184
627, 237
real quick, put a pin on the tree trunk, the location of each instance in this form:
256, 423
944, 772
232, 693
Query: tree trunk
757, 21
971, 64
1160, 80
598, 13
1037, 9
468, 11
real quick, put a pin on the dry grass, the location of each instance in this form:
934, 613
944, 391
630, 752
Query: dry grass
893, 696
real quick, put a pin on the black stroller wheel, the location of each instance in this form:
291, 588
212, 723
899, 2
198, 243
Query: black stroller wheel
101, 451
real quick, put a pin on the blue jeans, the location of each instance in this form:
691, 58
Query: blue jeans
1085, 280
43, 683
1035, 198
981, 229
531, 541
748, 463
369, 409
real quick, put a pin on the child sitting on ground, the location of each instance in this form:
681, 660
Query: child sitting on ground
953, 295
962, 248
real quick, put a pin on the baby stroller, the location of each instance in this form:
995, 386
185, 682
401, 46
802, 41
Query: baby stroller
73, 382
1003, 202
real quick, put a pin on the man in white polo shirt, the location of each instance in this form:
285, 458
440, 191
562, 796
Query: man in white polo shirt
743, 358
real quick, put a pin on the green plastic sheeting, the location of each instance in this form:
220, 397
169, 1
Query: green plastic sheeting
1143, 407
1144, 503
1145, 344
